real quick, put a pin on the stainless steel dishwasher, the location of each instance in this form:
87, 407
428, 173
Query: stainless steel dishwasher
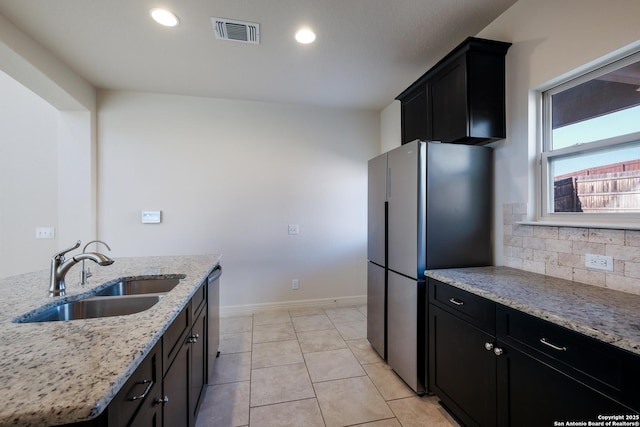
213, 326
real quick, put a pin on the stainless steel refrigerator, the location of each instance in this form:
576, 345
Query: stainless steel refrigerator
429, 206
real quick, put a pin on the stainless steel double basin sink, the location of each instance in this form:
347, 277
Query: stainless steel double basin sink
117, 299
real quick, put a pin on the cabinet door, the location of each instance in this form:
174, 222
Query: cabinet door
486, 93
176, 389
414, 116
531, 393
448, 106
462, 371
198, 364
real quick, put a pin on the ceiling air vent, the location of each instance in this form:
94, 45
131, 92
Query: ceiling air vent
227, 29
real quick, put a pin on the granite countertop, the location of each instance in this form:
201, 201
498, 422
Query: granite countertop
605, 314
62, 372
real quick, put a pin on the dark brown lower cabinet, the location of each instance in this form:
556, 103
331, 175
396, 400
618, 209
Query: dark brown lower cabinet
184, 380
176, 387
198, 364
165, 390
139, 401
496, 366
534, 394
464, 372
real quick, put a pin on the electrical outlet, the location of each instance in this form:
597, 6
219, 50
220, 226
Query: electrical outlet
598, 262
45, 233
295, 284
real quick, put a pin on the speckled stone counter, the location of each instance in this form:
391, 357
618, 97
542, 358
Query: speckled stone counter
62, 372
608, 315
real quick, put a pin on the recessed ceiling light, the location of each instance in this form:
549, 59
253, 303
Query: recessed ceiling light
164, 17
305, 36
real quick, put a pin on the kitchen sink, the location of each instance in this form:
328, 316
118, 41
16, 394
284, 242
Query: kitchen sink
93, 307
141, 286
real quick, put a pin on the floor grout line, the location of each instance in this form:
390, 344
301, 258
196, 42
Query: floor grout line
352, 351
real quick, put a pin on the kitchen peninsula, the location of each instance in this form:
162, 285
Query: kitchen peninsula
69, 371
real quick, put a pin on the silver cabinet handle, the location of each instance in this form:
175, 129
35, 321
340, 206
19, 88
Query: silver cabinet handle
194, 338
455, 301
161, 400
553, 346
498, 351
488, 346
149, 384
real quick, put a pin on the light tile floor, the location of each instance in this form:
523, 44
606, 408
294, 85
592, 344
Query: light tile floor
309, 367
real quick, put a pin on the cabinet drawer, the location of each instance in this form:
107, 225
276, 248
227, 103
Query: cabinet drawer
198, 299
136, 390
174, 336
472, 308
613, 371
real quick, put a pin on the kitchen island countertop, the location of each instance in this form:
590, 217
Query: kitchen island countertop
605, 314
63, 372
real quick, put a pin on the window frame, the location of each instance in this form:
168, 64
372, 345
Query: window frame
545, 154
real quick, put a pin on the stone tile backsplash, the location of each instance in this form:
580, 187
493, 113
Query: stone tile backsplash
560, 251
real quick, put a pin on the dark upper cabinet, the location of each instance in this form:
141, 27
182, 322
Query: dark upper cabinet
461, 99
414, 112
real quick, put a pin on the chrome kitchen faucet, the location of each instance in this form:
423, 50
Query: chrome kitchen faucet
60, 267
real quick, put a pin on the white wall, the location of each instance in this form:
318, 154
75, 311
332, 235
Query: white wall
390, 127
47, 131
24, 59
28, 178
229, 176
550, 39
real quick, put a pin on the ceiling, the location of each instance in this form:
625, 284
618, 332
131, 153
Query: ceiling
365, 54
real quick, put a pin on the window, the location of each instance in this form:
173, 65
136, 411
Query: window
590, 159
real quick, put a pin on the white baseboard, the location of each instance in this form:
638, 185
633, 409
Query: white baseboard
248, 309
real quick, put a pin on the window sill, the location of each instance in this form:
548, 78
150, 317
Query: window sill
575, 224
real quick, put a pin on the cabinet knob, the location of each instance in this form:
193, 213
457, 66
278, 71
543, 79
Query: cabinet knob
161, 400
194, 338
488, 346
498, 351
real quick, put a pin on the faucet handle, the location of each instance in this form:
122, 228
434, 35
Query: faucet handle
61, 253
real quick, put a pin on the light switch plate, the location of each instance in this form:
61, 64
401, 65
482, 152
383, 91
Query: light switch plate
151, 217
45, 233
294, 229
